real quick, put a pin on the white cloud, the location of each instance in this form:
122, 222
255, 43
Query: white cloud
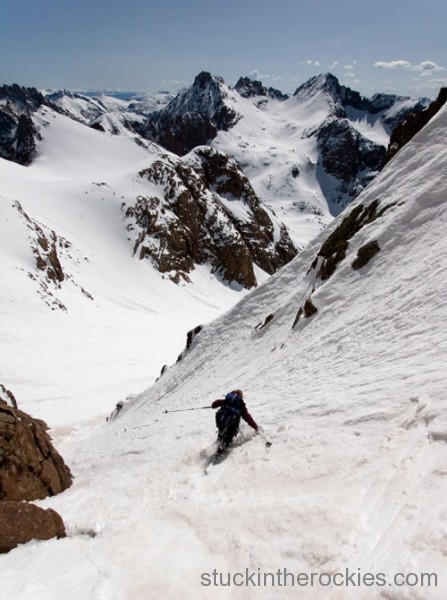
430, 66
424, 67
393, 64
313, 63
333, 65
350, 75
257, 75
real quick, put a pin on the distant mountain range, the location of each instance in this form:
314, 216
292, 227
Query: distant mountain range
341, 354
240, 177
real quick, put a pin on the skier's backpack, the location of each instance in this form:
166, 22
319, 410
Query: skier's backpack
229, 413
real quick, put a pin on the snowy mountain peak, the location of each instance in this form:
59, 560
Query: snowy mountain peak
23, 99
206, 97
204, 79
194, 116
325, 82
339, 95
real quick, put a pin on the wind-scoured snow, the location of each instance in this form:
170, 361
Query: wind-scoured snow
353, 400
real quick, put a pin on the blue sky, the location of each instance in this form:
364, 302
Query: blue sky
392, 46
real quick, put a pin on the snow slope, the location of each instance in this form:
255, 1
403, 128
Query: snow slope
352, 398
268, 142
122, 320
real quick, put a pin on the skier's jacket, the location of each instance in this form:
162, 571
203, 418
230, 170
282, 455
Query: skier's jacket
235, 399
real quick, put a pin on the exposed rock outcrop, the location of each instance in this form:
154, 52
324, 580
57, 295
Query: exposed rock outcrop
193, 117
21, 522
30, 467
413, 123
210, 214
349, 157
267, 240
334, 248
18, 133
248, 88
50, 252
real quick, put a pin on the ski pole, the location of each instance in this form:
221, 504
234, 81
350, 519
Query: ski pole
183, 409
267, 443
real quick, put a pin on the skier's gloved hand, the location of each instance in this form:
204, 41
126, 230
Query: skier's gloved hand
260, 430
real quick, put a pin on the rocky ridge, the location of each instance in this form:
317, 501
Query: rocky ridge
18, 132
52, 254
193, 117
413, 123
243, 230
210, 214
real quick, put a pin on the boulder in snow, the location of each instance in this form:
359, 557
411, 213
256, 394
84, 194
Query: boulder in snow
21, 522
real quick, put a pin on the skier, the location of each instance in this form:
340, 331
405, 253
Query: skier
231, 409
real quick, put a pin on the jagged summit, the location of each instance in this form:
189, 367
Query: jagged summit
204, 78
322, 82
206, 97
194, 116
248, 88
329, 84
306, 156
25, 99
251, 88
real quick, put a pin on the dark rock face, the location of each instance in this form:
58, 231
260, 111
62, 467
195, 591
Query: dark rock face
345, 152
334, 248
277, 94
248, 88
30, 467
414, 122
187, 229
365, 254
21, 522
383, 102
348, 156
223, 176
192, 118
197, 223
17, 131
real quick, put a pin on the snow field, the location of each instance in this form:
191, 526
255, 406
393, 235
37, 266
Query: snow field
353, 400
